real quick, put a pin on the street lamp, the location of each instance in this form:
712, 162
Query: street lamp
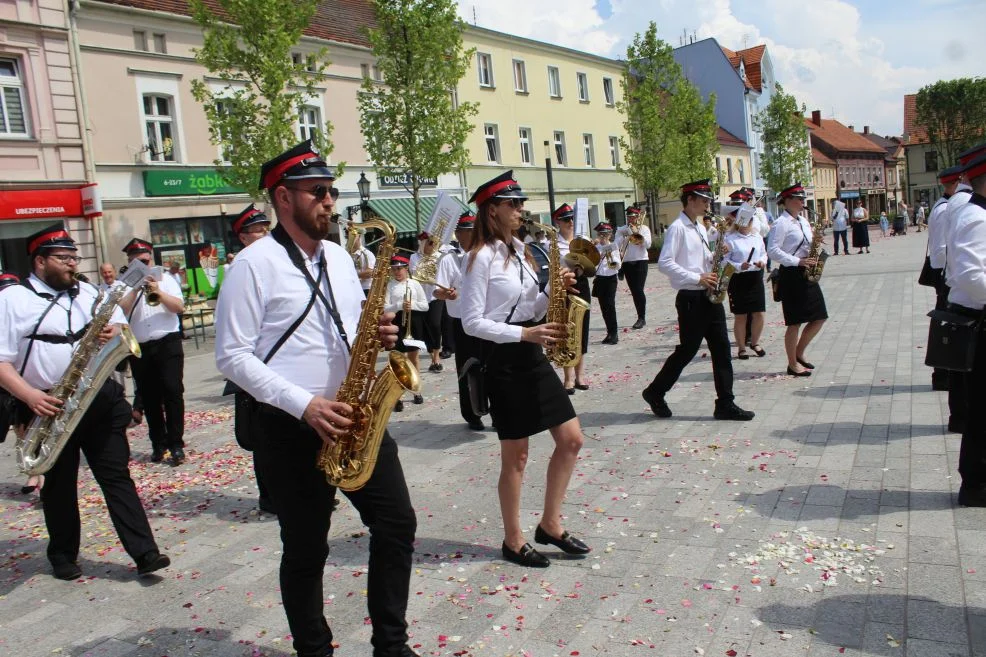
363, 185
551, 182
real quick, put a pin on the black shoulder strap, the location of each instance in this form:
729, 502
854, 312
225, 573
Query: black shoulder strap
34, 334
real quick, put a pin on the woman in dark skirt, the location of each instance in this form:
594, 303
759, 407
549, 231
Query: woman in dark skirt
501, 307
405, 295
564, 219
801, 300
861, 228
746, 294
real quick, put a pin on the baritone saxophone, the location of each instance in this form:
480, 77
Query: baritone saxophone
349, 463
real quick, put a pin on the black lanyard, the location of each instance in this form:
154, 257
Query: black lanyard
694, 225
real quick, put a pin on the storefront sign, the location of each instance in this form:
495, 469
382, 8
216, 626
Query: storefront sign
40, 204
403, 180
193, 182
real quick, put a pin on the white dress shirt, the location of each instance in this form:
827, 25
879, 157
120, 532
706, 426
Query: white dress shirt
21, 309
154, 322
740, 246
955, 202
790, 240
966, 255
633, 252
397, 291
493, 282
450, 275
762, 225
605, 268
366, 260
263, 296
686, 254
936, 233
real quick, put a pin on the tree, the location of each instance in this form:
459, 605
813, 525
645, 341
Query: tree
672, 132
411, 122
954, 114
787, 152
253, 116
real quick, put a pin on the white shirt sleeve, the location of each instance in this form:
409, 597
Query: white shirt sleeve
475, 287
645, 231
674, 243
967, 261
418, 300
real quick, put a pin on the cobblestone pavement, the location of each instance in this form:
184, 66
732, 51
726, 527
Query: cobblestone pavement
826, 526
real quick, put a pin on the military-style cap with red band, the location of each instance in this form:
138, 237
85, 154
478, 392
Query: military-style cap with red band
399, 261
298, 163
742, 194
965, 157
502, 187
604, 228
563, 213
701, 188
796, 190
423, 235
950, 175
467, 221
634, 211
6, 280
50, 238
250, 216
137, 245
976, 167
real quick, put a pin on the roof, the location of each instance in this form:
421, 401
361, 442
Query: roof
334, 20
818, 157
727, 138
751, 58
913, 133
888, 145
400, 211
840, 138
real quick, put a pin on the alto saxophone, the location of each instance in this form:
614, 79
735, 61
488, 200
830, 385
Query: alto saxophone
349, 463
723, 271
563, 308
814, 272
46, 436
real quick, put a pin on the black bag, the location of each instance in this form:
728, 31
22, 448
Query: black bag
775, 283
952, 340
929, 276
8, 413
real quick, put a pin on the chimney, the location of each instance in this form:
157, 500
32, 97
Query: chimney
852, 128
866, 129
816, 117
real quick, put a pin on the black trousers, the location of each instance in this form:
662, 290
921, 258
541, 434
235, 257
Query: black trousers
159, 378
604, 289
836, 234
433, 324
636, 275
102, 437
698, 319
448, 330
285, 452
466, 347
956, 381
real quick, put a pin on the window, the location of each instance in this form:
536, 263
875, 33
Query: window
614, 151
525, 145
485, 63
309, 122
158, 123
587, 151
583, 82
520, 76
554, 82
608, 91
492, 143
364, 71
159, 44
12, 115
729, 169
718, 166
560, 156
225, 149
376, 73
140, 40
742, 174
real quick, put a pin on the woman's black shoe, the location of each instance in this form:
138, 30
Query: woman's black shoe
67, 571
581, 386
758, 350
477, 425
805, 363
570, 391
399, 406
793, 373
567, 543
527, 556
418, 399
742, 355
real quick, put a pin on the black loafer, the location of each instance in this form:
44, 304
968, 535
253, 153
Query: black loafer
399, 406
794, 373
477, 425
805, 363
445, 354
657, 404
567, 543
730, 411
581, 386
570, 391
177, 457
66, 571
639, 324
151, 562
527, 556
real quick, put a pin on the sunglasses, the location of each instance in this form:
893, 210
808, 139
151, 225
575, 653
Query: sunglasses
515, 203
565, 219
318, 191
66, 258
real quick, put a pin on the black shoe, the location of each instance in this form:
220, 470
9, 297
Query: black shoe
730, 411
567, 543
639, 324
27, 490
527, 556
418, 399
795, 373
742, 355
151, 562
477, 425
956, 426
445, 354
570, 391
335, 503
607, 340
157, 455
177, 457
407, 652
614, 339
66, 571
758, 350
972, 495
805, 363
657, 405
581, 386
399, 406
266, 506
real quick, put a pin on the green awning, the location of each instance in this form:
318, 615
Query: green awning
400, 212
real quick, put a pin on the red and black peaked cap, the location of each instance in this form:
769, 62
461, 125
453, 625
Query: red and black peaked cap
6, 280
249, 217
137, 245
467, 221
701, 188
297, 163
563, 212
53, 237
796, 190
950, 175
502, 187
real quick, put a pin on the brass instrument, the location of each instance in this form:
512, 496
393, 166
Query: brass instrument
407, 312
563, 308
582, 254
151, 297
46, 436
723, 271
349, 462
635, 237
814, 272
609, 254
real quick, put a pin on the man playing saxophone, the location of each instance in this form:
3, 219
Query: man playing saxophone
44, 319
284, 322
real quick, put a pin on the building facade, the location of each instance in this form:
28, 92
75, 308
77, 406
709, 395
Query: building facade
893, 165
859, 162
824, 174
733, 164
43, 172
920, 159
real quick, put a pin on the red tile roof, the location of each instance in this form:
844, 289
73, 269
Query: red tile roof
727, 138
841, 138
819, 157
914, 133
751, 58
334, 20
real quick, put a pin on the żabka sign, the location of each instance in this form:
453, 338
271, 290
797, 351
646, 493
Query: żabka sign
40, 204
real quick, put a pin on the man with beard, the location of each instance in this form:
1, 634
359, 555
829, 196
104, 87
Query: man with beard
44, 319
284, 322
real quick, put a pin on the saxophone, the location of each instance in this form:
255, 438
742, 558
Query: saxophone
723, 271
814, 272
563, 308
349, 463
46, 436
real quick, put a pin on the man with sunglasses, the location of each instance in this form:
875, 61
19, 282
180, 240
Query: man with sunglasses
287, 315
44, 319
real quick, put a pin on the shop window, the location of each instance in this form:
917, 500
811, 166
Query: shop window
199, 245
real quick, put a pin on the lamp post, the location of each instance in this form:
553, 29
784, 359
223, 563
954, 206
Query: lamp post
363, 185
551, 182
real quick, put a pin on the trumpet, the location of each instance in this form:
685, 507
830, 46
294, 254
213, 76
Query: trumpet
152, 297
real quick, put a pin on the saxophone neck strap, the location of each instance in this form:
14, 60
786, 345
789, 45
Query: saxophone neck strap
52, 300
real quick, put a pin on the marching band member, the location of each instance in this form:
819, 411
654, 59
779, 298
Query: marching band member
965, 271
501, 307
432, 325
747, 301
294, 385
406, 295
564, 220
604, 285
801, 299
450, 277
365, 260
686, 259
250, 225
633, 251
44, 318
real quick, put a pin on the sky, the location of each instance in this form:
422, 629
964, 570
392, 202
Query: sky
852, 59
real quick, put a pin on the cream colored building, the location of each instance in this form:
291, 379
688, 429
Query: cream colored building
824, 175
540, 101
733, 167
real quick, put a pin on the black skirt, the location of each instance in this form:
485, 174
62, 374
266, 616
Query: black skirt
417, 329
746, 293
861, 235
526, 396
801, 299
582, 282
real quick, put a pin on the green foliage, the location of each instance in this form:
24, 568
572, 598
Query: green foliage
954, 114
249, 49
412, 122
672, 131
787, 152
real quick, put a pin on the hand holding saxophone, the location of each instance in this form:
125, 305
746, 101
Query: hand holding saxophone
570, 277
41, 403
808, 262
387, 331
544, 334
108, 333
708, 280
328, 418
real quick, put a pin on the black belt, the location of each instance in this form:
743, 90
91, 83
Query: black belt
170, 336
691, 293
964, 311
